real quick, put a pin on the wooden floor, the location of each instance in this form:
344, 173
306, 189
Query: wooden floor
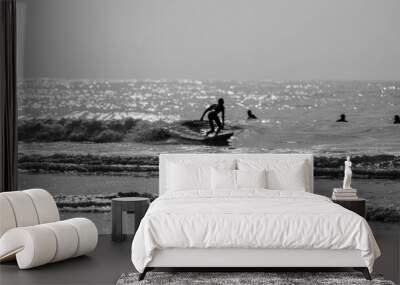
103, 266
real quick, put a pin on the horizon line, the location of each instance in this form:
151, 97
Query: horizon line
207, 80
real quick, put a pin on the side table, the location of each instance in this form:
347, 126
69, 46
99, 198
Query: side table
358, 206
136, 205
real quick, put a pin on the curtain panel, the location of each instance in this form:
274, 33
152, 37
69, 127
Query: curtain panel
8, 96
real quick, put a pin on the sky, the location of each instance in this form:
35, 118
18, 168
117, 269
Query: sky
210, 39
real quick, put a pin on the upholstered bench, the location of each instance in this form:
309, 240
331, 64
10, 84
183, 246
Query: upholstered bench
31, 231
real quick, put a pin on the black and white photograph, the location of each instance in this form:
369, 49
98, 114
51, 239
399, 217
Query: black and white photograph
163, 141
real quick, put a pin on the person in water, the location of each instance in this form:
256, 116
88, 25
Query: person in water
251, 116
342, 118
213, 112
396, 119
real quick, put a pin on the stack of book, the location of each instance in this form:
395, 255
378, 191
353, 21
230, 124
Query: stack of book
344, 194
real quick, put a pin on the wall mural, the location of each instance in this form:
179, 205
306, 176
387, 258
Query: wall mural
88, 140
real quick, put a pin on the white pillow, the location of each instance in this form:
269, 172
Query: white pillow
223, 179
251, 178
184, 178
193, 174
282, 174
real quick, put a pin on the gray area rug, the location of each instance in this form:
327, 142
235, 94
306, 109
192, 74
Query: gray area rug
228, 278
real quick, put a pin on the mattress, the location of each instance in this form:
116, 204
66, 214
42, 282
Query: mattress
251, 219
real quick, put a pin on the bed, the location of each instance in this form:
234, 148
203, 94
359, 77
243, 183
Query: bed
245, 211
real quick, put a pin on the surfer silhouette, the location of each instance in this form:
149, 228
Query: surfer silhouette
213, 112
396, 119
342, 118
251, 116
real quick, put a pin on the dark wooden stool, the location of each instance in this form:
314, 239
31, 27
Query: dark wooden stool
357, 206
136, 205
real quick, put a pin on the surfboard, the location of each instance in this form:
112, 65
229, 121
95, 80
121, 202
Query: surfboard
194, 131
204, 126
221, 137
190, 135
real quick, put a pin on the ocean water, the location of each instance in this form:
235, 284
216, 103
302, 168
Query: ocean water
293, 115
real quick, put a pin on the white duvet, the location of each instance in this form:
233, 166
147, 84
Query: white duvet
250, 219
